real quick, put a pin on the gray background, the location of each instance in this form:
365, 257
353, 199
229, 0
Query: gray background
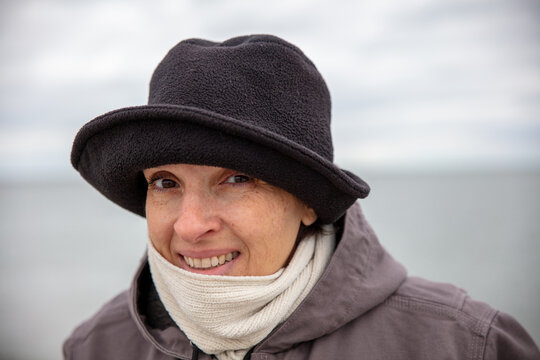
435, 104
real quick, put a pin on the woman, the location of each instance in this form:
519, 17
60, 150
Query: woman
257, 248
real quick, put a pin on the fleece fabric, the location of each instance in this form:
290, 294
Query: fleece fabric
364, 306
254, 103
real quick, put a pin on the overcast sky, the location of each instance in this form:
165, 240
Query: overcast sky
439, 84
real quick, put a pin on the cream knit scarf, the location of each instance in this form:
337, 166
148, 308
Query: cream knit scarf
227, 315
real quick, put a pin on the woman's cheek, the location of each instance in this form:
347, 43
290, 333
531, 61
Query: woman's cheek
160, 222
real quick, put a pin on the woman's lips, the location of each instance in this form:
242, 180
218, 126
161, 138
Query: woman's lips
209, 262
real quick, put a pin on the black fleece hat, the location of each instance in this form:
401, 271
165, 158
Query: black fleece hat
255, 104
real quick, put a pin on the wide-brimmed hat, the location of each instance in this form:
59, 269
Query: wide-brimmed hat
255, 104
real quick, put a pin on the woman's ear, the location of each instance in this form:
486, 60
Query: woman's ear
309, 216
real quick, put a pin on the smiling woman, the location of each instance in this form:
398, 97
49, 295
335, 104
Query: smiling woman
257, 245
216, 221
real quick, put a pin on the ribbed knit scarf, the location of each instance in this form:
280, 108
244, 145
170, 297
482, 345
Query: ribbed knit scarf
227, 315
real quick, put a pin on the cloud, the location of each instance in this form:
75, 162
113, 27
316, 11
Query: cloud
436, 75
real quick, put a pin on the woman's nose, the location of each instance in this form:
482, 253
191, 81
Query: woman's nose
197, 217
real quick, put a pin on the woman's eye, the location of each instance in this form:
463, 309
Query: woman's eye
237, 179
165, 183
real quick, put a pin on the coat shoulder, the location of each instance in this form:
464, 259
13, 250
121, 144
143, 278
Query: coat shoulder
457, 321
109, 334
112, 313
428, 320
442, 301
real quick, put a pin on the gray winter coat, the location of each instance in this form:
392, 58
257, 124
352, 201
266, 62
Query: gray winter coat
363, 307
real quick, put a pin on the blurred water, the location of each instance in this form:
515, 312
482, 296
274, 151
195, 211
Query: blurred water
66, 250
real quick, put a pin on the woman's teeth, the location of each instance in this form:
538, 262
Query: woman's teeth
207, 263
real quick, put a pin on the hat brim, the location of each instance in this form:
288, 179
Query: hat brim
111, 151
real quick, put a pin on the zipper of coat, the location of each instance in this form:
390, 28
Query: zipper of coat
195, 353
248, 355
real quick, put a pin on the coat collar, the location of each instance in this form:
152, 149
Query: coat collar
360, 276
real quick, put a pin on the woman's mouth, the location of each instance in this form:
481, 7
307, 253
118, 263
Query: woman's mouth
210, 262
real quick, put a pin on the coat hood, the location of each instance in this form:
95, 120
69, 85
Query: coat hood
370, 272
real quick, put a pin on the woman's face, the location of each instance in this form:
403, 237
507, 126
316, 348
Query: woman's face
216, 221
